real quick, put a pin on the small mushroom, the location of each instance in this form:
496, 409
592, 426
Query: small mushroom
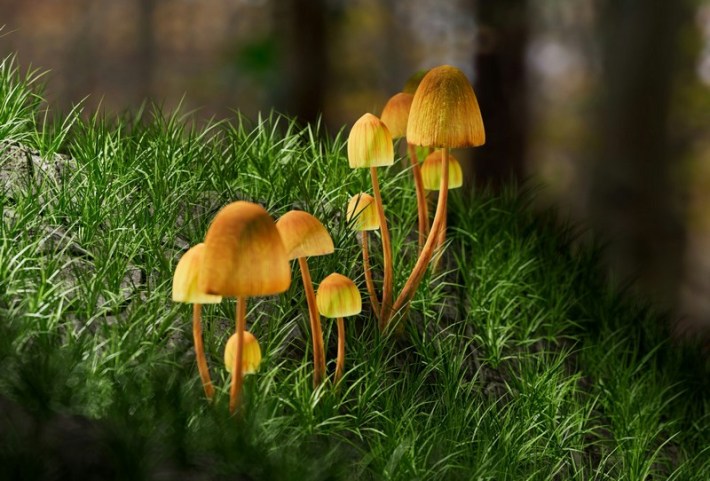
251, 354
339, 297
244, 257
304, 236
370, 146
395, 116
444, 113
185, 289
363, 215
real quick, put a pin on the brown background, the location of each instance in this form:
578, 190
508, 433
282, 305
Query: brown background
604, 103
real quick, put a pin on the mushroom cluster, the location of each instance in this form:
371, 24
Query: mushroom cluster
245, 253
442, 113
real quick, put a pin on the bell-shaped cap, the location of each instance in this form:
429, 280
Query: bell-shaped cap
303, 235
245, 255
396, 113
431, 172
251, 353
185, 288
445, 111
370, 143
413, 82
338, 296
362, 212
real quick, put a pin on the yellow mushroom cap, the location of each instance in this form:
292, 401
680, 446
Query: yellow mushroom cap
338, 296
244, 254
431, 172
396, 113
251, 353
185, 287
370, 143
362, 212
303, 235
445, 111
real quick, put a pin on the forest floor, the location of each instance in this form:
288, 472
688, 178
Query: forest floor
518, 359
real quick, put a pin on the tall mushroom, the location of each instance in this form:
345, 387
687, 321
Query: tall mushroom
363, 215
444, 114
244, 257
339, 297
395, 115
431, 177
186, 290
370, 146
304, 236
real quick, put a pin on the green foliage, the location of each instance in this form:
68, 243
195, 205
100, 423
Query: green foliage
519, 361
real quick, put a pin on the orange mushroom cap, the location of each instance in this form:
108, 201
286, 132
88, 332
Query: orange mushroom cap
370, 143
185, 285
303, 235
431, 172
251, 353
445, 112
338, 296
245, 255
396, 113
362, 212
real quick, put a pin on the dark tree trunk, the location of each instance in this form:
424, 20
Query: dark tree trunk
306, 57
633, 199
501, 90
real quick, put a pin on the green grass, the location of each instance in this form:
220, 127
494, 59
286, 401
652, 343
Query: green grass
519, 361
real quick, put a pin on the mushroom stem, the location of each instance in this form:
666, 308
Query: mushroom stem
386, 253
439, 248
422, 214
368, 276
235, 392
200, 351
340, 363
316, 331
415, 277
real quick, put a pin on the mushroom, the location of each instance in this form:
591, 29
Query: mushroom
185, 289
339, 297
304, 236
244, 257
251, 354
444, 114
363, 215
370, 146
395, 116
431, 174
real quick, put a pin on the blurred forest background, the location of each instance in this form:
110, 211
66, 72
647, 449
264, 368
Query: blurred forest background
605, 104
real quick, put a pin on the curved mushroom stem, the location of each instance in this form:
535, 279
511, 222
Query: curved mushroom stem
200, 351
422, 214
340, 363
235, 392
386, 253
316, 331
439, 248
368, 277
415, 277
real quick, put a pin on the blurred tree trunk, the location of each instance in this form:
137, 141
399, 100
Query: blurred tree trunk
633, 199
306, 56
501, 90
